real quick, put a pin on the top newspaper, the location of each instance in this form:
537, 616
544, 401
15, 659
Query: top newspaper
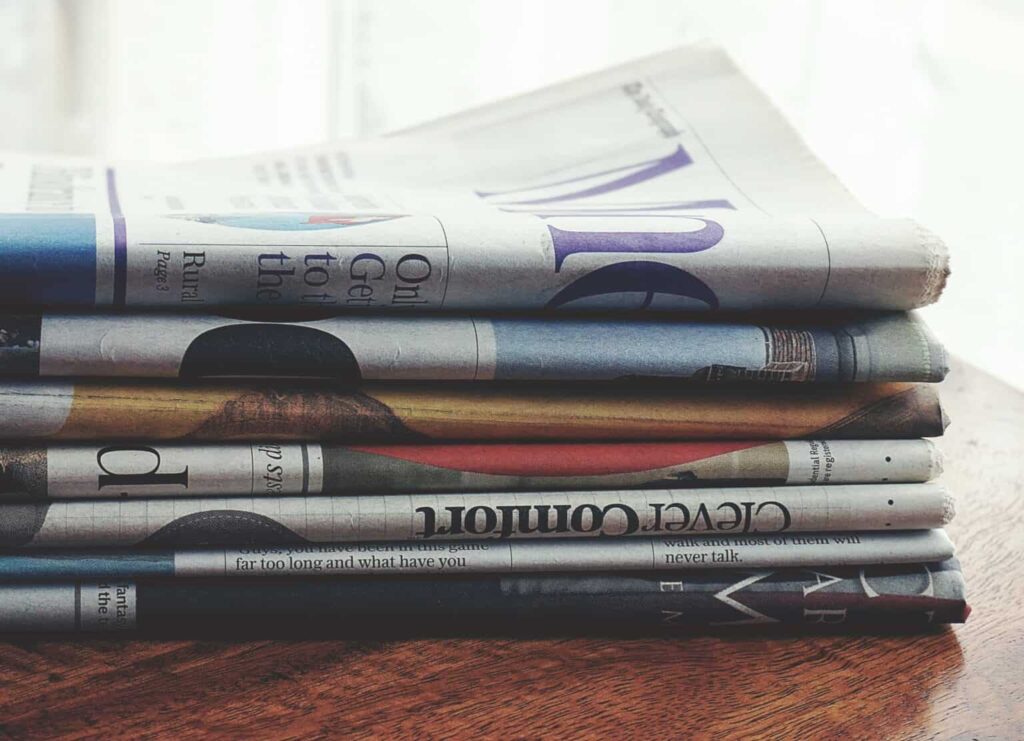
668, 184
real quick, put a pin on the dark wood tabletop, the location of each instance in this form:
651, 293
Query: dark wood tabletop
967, 681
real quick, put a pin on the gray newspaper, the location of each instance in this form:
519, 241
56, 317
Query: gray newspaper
888, 347
485, 556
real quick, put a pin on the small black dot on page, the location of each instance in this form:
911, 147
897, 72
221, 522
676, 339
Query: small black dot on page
890, 502
888, 459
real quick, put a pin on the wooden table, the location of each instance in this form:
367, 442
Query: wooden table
967, 681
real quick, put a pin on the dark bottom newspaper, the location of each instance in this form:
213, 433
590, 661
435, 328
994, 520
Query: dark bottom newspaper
903, 596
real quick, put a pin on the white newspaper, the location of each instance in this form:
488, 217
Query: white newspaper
437, 517
134, 470
666, 184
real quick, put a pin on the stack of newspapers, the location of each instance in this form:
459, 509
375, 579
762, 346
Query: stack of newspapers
619, 352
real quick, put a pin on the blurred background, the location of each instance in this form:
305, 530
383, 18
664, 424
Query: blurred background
918, 105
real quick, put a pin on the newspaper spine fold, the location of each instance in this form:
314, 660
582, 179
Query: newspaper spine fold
137, 469
468, 557
424, 413
875, 597
431, 260
891, 347
438, 517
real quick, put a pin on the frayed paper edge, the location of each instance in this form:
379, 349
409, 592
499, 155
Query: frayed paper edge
948, 509
937, 272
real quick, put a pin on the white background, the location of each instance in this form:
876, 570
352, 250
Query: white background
917, 105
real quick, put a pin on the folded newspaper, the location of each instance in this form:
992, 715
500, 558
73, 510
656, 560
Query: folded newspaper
880, 597
484, 556
438, 517
892, 347
666, 184
120, 470
423, 413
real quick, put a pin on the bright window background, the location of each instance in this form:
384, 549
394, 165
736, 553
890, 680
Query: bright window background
917, 105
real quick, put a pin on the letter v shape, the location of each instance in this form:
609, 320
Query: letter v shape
755, 616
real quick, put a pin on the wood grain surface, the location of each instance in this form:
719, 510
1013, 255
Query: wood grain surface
965, 682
